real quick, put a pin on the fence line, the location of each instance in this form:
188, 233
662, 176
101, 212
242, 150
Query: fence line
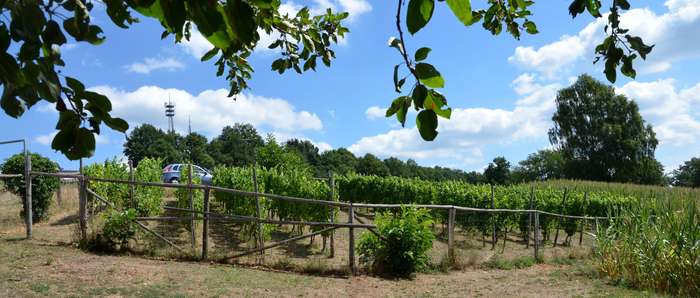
313, 201
206, 215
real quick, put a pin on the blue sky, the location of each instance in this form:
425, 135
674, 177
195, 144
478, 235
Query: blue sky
502, 90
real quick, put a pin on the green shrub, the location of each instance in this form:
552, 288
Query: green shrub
116, 193
43, 187
119, 228
149, 199
403, 242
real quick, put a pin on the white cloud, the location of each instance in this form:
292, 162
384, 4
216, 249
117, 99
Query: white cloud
209, 110
197, 46
323, 147
46, 139
461, 139
150, 64
672, 112
669, 31
375, 112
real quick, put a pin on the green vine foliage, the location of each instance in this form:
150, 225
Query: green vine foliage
149, 199
183, 194
401, 248
394, 190
43, 187
240, 178
117, 193
297, 183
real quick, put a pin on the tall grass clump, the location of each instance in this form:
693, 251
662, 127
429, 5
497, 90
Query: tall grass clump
654, 245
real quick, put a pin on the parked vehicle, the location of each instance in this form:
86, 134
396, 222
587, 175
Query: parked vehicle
171, 173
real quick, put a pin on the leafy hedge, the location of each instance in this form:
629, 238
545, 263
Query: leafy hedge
43, 187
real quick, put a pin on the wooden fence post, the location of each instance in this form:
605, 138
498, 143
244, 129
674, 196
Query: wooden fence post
561, 208
28, 194
450, 233
82, 203
351, 245
331, 181
258, 211
583, 222
132, 200
537, 235
193, 237
205, 226
59, 200
529, 218
493, 228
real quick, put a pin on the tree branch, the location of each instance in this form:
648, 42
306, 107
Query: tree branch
403, 50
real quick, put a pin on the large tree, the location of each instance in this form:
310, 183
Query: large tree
306, 149
31, 36
688, 174
139, 142
236, 145
601, 134
340, 161
498, 171
539, 166
371, 165
196, 146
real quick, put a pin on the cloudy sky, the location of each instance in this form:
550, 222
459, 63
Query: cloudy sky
501, 90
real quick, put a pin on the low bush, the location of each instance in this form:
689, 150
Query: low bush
43, 187
401, 246
120, 227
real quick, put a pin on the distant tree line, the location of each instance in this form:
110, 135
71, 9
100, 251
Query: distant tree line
241, 145
597, 135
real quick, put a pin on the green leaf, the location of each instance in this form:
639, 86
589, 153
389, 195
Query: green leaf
76, 85
10, 104
593, 7
4, 38
241, 20
627, 69
419, 14
577, 7
210, 54
419, 94
52, 34
638, 45
462, 9
530, 27
428, 75
174, 15
396, 78
427, 124
117, 124
422, 53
